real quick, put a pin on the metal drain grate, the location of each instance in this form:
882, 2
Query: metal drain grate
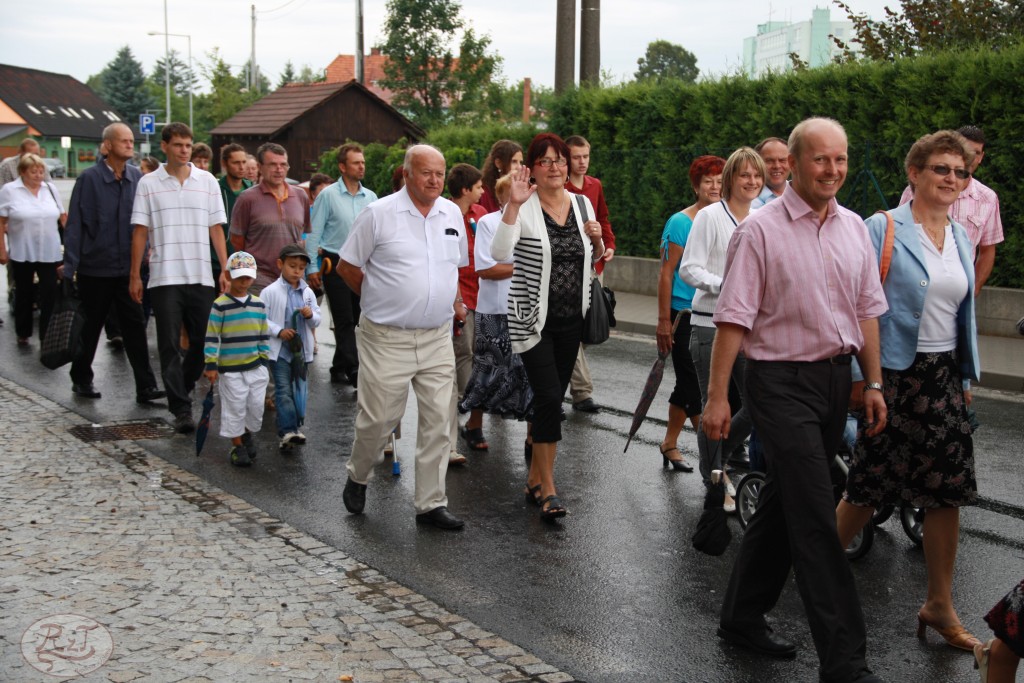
132, 430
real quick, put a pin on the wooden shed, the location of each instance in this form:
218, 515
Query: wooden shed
308, 120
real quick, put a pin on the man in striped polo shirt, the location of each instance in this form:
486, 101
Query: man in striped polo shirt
178, 210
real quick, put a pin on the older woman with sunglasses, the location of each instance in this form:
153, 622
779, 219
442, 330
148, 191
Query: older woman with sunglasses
924, 455
554, 246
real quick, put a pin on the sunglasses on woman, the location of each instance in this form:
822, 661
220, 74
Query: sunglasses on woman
943, 170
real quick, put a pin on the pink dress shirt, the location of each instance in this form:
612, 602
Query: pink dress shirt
800, 291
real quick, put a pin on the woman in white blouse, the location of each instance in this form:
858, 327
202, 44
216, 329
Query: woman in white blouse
929, 344
702, 267
29, 213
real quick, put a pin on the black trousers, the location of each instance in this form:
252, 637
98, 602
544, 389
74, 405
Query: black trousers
25, 294
344, 305
799, 410
549, 367
174, 306
100, 297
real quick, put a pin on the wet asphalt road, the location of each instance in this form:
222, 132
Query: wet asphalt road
615, 592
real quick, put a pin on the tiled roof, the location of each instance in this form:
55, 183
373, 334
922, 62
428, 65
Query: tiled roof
268, 116
55, 104
343, 70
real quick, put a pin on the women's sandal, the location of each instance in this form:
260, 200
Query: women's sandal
678, 465
981, 653
551, 508
532, 494
956, 636
475, 439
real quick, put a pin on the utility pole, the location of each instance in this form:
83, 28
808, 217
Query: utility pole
565, 45
590, 42
167, 66
359, 42
253, 78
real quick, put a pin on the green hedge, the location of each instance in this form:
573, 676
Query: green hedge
645, 136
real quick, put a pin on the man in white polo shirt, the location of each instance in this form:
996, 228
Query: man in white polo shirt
179, 211
402, 257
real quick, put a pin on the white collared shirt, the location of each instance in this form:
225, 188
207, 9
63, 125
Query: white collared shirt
410, 262
179, 216
32, 235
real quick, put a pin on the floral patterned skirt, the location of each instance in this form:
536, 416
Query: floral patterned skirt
498, 384
925, 454
1004, 619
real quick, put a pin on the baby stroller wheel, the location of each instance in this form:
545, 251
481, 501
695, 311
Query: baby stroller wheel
912, 519
748, 493
861, 543
882, 514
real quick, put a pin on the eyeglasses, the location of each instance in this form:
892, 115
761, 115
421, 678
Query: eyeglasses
545, 162
943, 170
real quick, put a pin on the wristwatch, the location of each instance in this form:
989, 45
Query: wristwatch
872, 385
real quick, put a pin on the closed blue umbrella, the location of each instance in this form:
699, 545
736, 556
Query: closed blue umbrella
204, 422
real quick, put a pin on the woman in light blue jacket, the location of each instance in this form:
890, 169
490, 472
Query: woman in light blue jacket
925, 454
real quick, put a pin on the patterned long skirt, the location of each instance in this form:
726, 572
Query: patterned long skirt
1004, 619
498, 384
925, 454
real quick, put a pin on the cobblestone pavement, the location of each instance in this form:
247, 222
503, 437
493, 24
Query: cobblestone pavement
194, 584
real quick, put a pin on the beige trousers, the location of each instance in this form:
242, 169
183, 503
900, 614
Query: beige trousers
391, 358
581, 385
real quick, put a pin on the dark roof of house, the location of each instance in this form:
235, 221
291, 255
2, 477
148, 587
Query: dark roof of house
268, 116
55, 104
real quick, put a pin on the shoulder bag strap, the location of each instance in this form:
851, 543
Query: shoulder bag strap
583, 208
887, 245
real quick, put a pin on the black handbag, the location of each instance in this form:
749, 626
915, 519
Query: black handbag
62, 341
601, 314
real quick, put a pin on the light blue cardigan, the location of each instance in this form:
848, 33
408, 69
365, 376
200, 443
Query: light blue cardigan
905, 288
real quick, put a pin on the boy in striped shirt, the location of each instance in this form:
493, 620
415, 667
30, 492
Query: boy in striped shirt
237, 350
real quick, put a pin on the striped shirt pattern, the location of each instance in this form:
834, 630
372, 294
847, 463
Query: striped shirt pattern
524, 292
237, 338
179, 216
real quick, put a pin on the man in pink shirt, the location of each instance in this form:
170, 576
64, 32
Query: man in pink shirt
977, 210
801, 297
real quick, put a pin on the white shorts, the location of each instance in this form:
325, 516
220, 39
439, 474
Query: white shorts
242, 396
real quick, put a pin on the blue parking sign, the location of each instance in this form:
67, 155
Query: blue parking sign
147, 124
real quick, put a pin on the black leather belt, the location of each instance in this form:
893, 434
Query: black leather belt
841, 359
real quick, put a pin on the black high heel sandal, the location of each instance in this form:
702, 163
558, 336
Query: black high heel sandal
532, 494
551, 508
678, 465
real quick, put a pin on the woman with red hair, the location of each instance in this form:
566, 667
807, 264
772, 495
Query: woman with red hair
555, 247
675, 297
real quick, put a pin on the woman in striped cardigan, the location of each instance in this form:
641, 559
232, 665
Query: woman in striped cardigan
554, 245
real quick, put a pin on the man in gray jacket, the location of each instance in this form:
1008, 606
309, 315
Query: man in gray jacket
98, 248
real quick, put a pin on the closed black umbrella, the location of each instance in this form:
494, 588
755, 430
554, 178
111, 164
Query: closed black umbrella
650, 390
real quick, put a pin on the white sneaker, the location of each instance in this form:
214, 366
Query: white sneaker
288, 440
299, 438
456, 458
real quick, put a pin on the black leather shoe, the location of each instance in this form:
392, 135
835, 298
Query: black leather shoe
184, 424
354, 497
441, 518
353, 379
337, 377
85, 391
762, 642
865, 676
149, 394
587, 405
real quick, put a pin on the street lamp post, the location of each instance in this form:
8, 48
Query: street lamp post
167, 71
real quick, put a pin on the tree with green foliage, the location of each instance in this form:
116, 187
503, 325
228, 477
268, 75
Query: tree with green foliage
287, 76
930, 25
183, 80
308, 75
228, 94
431, 83
664, 61
123, 85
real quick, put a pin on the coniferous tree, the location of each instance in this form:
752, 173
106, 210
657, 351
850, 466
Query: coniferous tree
124, 86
